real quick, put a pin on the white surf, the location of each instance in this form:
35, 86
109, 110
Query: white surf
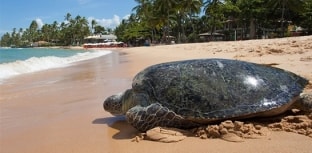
34, 64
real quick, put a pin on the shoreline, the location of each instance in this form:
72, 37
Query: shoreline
33, 63
60, 110
81, 48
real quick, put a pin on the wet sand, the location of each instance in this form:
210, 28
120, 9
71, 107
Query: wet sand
60, 110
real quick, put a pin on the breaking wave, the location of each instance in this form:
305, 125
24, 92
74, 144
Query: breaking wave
35, 64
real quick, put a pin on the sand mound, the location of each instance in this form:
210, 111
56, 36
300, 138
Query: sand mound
301, 124
236, 131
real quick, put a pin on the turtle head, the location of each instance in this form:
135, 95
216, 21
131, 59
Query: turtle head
119, 104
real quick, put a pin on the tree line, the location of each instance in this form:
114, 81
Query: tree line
69, 32
181, 20
184, 20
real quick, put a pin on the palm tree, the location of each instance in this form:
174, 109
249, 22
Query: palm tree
306, 16
80, 29
142, 9
33, 31
6, 40
46, 32
215, 15
55, 30
99, 29
145, 15
251, 11
93, 24
165, 8
186, 10
294, 5
68, 17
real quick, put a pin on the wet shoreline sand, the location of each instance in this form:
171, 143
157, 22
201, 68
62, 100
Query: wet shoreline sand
60, 110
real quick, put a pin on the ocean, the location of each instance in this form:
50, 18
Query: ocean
18, 61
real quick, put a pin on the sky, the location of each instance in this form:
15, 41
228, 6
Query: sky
20, 13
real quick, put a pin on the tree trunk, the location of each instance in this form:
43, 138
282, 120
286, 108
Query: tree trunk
252, 33
282, 20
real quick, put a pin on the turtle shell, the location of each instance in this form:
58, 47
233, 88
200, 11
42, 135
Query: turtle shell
214, 89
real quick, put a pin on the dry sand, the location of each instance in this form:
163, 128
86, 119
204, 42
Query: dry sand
60, 110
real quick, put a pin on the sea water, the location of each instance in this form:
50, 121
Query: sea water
17, 61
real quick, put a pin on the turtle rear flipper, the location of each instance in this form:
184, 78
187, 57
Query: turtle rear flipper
145, 118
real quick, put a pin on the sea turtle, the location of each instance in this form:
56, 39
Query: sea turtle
190, 93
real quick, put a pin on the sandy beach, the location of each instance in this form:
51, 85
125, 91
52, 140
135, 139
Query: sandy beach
60, 110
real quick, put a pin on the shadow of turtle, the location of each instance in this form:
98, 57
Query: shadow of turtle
126, 131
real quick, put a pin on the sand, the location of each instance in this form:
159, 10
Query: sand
60, 110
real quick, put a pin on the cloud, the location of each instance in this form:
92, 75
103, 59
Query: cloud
126, 17
39, 22
107, 23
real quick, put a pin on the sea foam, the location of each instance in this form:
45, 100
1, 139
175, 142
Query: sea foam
35, 64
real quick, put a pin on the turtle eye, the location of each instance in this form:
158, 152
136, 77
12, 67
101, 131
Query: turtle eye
106, 105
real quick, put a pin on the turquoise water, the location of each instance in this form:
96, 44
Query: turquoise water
13, 54
14, 61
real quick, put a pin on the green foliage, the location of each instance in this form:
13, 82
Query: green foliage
305, 18
156, 20
99, 29
180, 18
6, 40
70, 32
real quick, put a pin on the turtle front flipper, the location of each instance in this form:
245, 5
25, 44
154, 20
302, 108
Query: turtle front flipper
145, 118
